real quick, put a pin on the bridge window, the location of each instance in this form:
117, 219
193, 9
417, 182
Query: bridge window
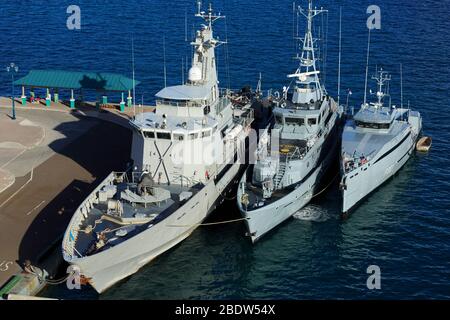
206, 134
312, 121
178, 136
279, 118
149, 134
193, 136
295, 121
370, 125
163, 135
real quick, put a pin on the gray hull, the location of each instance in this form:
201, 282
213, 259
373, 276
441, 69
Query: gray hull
391, 157
261, 221
110, 266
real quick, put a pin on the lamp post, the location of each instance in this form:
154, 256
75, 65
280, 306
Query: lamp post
13, 68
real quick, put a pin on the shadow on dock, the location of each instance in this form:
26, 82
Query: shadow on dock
63, 181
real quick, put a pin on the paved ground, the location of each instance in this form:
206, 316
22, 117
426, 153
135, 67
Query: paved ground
53, 175
16, 137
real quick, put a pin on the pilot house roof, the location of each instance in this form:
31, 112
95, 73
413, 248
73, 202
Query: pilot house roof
184, 92
373, 115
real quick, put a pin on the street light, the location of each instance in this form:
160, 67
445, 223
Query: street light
13, 68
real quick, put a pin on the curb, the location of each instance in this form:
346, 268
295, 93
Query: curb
95, 114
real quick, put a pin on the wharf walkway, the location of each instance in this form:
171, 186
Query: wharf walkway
50, 159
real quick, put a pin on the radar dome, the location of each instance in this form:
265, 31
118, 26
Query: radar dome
195, 74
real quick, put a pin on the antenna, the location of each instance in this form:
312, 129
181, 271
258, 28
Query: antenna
340, 47
164, 54
367, 68
185, 25
401, 85
134, 83
227, 56
258, 87
182, 70
325, 57
389, 94
293, 25
199, 7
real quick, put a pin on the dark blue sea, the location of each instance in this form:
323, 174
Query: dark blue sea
404, 228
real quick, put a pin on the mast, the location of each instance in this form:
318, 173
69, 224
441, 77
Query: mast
367, 69
134, 82
307, 74
340, 47
204, 65
381, 77
164, 58
401, 85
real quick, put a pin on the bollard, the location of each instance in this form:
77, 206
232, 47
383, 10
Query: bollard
72, 103
122, 106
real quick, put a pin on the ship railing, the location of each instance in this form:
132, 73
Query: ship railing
351, 163
298, 153
246, 118
81, 213
225, 92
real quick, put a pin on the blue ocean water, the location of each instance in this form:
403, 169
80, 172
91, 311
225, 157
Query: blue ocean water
404, 228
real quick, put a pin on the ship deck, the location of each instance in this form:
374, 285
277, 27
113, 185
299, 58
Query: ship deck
134, 218
256, 199
363, 141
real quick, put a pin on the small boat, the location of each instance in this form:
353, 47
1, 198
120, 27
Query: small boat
424, 144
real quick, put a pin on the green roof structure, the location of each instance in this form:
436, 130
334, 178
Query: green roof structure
100, 81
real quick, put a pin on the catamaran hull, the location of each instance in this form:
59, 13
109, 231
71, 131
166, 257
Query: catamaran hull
359, 184
110, 266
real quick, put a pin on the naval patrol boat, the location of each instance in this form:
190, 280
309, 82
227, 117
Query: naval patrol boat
376, 143
185, 158
302, 146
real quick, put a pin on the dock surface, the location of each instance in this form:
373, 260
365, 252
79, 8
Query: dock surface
49, 162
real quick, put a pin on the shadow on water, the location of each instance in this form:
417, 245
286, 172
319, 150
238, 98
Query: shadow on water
80, 165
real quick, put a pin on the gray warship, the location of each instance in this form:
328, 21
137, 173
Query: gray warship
300, 149
180, 176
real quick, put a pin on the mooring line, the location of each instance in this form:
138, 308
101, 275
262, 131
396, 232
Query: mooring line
206, 224
329, 184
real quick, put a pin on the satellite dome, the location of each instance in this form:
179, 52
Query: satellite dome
195, 74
